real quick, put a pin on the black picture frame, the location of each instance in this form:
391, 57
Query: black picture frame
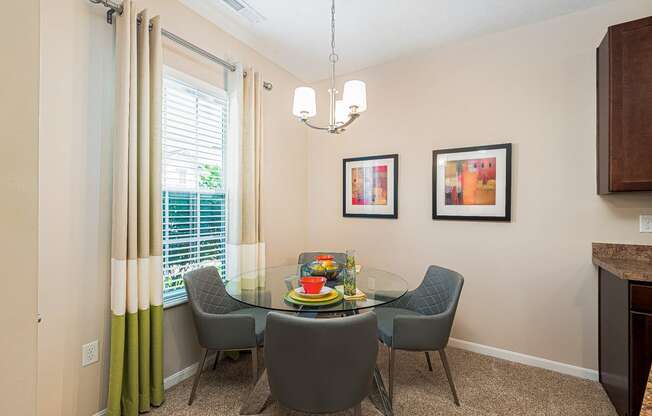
394, 214
508, 183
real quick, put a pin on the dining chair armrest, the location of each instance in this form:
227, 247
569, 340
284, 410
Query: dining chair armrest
225, 332
422, 333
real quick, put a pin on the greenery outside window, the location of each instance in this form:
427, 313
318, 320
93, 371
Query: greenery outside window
194, 128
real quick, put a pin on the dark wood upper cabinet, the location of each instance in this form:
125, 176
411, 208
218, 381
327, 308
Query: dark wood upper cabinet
624, 82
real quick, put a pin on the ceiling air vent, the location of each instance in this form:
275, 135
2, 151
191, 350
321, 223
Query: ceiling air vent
243, 9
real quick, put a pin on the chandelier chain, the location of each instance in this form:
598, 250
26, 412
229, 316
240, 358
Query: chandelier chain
333, 56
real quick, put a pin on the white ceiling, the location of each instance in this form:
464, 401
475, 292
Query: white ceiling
296, 33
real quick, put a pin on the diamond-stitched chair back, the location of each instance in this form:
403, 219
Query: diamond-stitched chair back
439, 290
206, 290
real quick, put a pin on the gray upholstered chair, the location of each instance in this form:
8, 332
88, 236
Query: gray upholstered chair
222, 324
312, 256
422, 320
340, 351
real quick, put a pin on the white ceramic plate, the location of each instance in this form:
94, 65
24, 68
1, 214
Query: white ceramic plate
324, 291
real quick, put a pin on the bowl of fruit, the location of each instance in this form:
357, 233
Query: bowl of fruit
323, 266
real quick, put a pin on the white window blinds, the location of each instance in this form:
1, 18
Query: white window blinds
194, 202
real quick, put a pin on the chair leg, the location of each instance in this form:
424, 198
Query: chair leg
217, 358
357, 410
195, 383
447, 369
254, 364
392, 359
428, 361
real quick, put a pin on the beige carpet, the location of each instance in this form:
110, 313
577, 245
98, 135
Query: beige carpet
486, 386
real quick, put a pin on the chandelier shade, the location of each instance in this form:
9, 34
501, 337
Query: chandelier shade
355, 95
341, 112
305, 105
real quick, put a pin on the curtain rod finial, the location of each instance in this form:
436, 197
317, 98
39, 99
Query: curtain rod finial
266, 84
109, 16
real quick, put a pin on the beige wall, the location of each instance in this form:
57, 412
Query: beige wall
75, 190
530, 285
533, 86
19, 73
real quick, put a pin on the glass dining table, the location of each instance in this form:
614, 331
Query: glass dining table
267, 288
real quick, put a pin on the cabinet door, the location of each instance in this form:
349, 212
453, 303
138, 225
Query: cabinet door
630, 147
614, 337
640, 358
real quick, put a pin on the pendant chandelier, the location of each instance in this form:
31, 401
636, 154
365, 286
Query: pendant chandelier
341, 112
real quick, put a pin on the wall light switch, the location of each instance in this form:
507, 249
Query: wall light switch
646, 224
89, 353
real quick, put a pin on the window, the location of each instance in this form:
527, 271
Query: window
194, 201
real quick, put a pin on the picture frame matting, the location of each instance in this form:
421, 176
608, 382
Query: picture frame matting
488, 199
370, 187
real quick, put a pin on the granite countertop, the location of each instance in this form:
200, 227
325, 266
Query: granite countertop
646, 409
627, 261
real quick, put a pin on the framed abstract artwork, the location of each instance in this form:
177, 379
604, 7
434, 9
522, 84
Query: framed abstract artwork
472, 183
370, 187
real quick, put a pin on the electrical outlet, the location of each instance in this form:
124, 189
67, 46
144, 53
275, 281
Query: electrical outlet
646, 224
89, 353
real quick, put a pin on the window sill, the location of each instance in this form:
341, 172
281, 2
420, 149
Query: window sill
174, 303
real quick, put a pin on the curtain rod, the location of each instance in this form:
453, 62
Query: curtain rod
115, 7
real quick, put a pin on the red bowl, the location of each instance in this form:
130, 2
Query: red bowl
312, 284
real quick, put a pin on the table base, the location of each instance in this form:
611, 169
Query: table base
255, 402
382, 392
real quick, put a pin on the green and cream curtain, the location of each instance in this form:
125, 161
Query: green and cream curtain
246, 243
136, 372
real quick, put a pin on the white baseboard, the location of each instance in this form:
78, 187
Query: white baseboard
175, 378
530, 360
179, 376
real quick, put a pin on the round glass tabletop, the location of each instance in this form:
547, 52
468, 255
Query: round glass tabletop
267, 288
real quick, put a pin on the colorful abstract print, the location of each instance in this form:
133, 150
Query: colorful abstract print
369, 185
471, 182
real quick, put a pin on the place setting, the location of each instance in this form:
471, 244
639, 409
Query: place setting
326, 281
313, 292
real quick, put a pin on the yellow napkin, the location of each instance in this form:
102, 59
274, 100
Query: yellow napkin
359, 294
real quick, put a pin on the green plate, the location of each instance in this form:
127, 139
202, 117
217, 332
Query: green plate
324, 303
